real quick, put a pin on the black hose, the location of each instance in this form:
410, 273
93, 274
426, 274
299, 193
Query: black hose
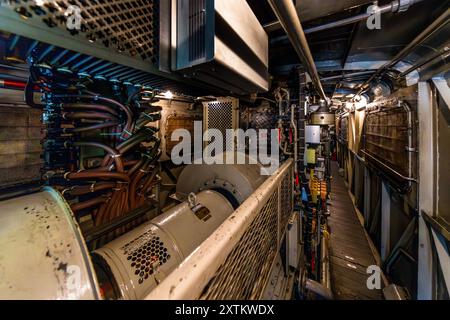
29, 95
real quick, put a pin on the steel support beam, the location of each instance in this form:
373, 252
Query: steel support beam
427, 148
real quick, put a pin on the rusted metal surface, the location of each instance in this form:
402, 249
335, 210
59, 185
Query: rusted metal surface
178, 121
234, 262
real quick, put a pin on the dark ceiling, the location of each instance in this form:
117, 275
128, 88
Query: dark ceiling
349, 48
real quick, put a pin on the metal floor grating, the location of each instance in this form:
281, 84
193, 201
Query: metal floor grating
350, 253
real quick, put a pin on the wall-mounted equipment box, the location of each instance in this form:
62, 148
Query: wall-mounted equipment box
313, 134
221, 43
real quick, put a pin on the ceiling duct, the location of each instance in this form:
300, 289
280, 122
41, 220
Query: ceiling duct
222, 43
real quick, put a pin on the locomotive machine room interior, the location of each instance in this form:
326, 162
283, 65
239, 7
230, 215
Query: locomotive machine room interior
341, 115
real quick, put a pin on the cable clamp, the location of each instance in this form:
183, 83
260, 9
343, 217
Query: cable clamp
67, 190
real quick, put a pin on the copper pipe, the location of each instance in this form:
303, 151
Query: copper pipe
88, 204
129, 114
125, 146
136, 167
95, 187
92, 175
111, 152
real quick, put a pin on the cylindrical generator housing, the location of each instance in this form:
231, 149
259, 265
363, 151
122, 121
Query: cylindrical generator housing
234, 181
132, 265
43, 254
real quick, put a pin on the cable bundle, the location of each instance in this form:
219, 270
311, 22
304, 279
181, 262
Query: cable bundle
115, 123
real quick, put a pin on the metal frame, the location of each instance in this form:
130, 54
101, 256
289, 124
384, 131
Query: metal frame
427, 148
11, 22
234, 114
193, 275
442, 85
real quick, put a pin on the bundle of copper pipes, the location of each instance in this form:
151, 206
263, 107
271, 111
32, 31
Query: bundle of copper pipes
126, 176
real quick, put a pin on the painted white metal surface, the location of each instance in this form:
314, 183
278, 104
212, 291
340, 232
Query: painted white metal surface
427, 187
43, 254
178, 231
194, 273
240, 180
427, 149
442, 85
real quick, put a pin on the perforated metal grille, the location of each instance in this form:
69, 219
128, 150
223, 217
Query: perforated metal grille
286, 200
245, 271
220, 116
128, 26
145, 254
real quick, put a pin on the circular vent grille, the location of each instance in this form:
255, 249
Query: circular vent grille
145, 254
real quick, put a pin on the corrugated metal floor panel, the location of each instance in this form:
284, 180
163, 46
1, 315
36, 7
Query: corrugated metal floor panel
350, 253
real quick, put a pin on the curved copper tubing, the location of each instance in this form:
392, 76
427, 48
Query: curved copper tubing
96, 187
89, 175
125, 146
95, 98
88, 204
112, 152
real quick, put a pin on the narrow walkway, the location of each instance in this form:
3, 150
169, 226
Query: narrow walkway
350, 254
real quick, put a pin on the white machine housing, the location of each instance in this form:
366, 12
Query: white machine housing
220, 42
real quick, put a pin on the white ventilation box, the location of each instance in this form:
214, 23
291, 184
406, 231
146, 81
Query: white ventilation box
222, 43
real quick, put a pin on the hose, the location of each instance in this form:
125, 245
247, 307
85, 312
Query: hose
129, 121
87, 115
93, 175
89, 107
88, 204
112, 152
